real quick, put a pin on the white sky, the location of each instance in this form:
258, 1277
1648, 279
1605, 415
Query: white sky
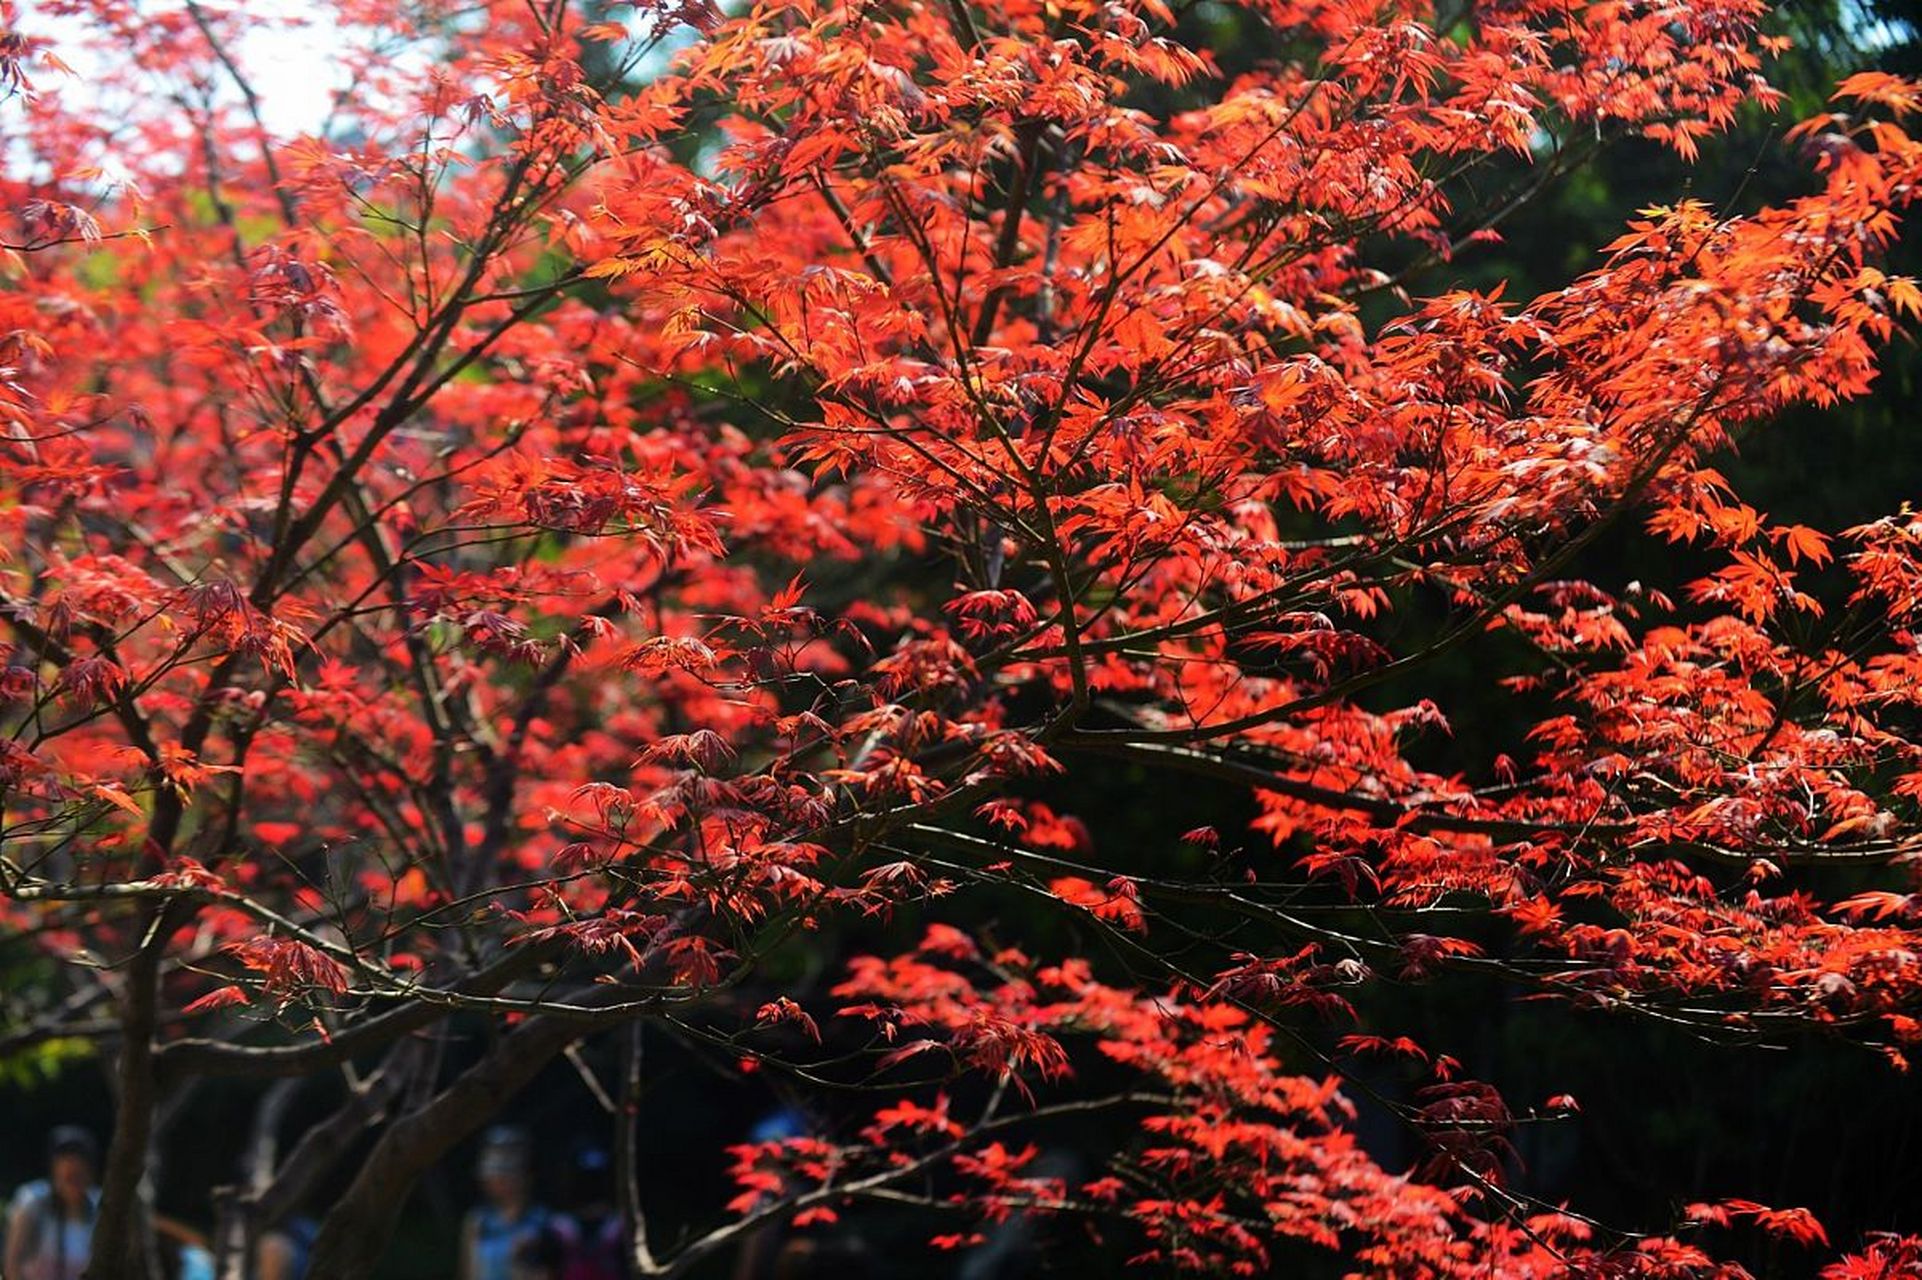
295, 73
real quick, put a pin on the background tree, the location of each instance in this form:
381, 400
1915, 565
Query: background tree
603, 544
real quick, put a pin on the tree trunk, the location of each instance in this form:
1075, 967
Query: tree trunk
356, 1231
119, 1236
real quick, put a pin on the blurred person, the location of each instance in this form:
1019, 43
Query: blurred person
542, 1255
184, 1253
283, 1252
507, 1216
594, 1238
50, 1222
761, 1254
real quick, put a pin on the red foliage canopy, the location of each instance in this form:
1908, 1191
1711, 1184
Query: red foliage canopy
647, 488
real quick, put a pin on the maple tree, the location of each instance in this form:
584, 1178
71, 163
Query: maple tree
647, 489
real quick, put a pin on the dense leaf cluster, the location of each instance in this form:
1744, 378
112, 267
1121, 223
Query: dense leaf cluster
646, 495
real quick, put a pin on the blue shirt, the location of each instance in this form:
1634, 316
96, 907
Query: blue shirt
495, 1239
58, 1247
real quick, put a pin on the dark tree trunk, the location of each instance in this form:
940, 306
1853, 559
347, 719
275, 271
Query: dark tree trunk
120, 1243
356, 1231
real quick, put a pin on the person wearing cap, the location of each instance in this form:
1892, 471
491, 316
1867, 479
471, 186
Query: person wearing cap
50, 1222
592, 1228
508, 1218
